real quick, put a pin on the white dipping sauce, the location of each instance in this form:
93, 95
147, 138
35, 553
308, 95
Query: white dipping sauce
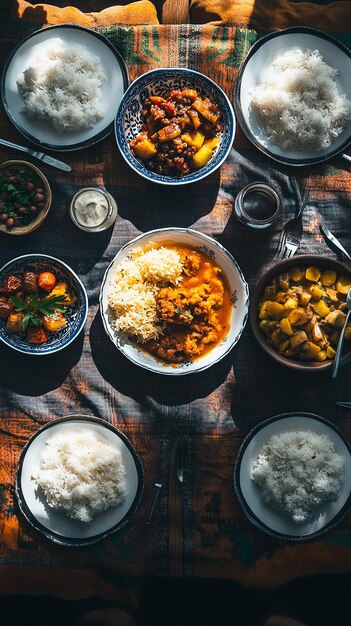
91, 208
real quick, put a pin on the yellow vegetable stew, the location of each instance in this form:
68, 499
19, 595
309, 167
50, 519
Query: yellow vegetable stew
302, 312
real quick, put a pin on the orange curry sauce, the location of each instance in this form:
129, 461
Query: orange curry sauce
196, 312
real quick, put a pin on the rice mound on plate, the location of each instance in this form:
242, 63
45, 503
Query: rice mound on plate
298, 471
62, 86
298, 104
81, 474
133, 291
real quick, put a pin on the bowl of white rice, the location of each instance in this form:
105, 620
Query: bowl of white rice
293, 476
79, 479
293, 96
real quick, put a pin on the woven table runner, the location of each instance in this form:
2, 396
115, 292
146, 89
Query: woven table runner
199, 530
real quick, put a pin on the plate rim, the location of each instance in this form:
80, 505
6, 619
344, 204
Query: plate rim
69, 541
85, 303
82, 144
237, 100
170, 182
251, 516
173, 371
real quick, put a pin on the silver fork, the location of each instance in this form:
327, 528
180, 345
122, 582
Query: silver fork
291, 234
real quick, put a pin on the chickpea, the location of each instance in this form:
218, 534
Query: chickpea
21, 210
10, 222
3, 217
30, 186
32, 210
38, 198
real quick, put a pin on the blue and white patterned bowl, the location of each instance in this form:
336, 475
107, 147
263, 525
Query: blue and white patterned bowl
157, 82
237, 284
76, 314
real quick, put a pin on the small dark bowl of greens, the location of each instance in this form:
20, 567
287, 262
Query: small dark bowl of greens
25, 197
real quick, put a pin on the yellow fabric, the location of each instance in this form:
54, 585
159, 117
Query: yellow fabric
142, 12
263, 14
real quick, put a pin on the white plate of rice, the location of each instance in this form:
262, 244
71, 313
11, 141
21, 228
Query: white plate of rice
293, 476
79, 479
61, 87
293, 96
237, 285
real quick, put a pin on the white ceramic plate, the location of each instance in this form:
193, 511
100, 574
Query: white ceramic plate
113, 87
238, 286
253, 70
56, 525
250, 495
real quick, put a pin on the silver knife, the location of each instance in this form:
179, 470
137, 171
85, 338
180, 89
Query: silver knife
38, 155
158, 484
331, 240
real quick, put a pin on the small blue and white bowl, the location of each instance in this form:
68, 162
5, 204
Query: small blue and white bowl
76, 314
158, 82
239, 298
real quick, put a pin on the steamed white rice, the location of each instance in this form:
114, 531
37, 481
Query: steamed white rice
298, 471
132, 293
298, 104
62, 86
81, 474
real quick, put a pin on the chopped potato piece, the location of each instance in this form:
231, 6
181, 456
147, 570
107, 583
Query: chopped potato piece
343, 284
333, 295
145, 149
291, 303
286, 326
331, 352
316, 332
194, 139
298, 339
321, 308
304, 298
313, 274
321, 356
329, 278
297, 317
275, 309
211, 143
313, 350
316, 292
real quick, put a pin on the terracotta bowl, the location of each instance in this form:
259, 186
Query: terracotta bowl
28, 228
303, 260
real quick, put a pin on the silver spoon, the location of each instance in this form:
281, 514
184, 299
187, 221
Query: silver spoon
341, 338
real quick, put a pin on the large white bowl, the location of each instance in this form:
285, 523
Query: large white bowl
237, 284
253, 71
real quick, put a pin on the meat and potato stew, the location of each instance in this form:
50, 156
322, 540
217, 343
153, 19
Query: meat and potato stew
180, 132
34, 304
302, 311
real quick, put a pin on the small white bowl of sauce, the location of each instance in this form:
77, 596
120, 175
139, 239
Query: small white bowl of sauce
93, 209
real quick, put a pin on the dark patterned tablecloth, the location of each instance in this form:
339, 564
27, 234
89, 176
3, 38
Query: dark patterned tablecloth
199, 530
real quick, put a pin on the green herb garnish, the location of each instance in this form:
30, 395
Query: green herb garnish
34, 306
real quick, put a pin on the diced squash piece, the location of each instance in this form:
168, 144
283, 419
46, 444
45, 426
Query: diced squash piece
343, 284
331, 352
211, 143
286, 326
156, 99
291, 303
61, 289
297, 317
54, 322
275, 310
347, 334
321, 356
14, 322
336, 318
207, 109
191, 94
168, 132
304, 298
194, 118
333, 295
321, 308
298, 339
329, 278
269, 292
194, 139
145, 149
296, 274
201, 157
313, 274
316, 292
312, 351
